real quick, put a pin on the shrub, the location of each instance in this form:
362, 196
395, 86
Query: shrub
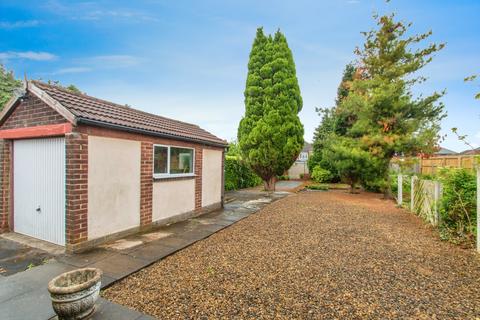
322, 187
321, 175
238, 175
283, 177
458, 204
302, 175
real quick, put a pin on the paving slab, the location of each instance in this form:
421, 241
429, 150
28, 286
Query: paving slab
10, 288
84, 259
17, 257
32, 305
151, 252
119, 265
39, 277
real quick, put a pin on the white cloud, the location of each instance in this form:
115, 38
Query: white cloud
28, 55
19, 24
93, 11
72, 70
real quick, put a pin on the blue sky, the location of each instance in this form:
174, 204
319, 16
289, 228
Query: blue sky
187, 59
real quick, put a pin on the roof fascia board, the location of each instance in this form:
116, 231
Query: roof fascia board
54, 104
10, 104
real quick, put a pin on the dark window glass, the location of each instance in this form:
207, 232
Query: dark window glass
160, 160
181, 160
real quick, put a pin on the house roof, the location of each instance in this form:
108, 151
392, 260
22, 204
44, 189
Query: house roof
470, 151
444, 151
307, 147
81, 108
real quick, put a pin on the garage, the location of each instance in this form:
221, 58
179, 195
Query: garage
78, 171
39, 188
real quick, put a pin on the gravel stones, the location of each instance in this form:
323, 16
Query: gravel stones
313, 256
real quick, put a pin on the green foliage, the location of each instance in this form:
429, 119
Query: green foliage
73, 89
8, 84
351, 162
270, 135
238, 175
283, 177
320, 187
389, 118
233, 149
321, 175
458, 205
333, 122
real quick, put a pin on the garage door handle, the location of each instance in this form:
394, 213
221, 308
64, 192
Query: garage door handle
38, 209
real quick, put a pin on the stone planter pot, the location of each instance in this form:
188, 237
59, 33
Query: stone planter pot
74, 293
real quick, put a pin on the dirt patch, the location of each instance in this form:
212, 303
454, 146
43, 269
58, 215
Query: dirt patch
313, 255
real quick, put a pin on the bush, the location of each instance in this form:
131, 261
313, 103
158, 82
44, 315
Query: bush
238, 175
321, 175
458, 206
321, 187
284, 177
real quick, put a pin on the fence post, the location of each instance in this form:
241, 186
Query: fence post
478, 209
436, 198
412, 193
400, 190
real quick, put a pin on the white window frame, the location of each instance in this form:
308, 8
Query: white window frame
168, 174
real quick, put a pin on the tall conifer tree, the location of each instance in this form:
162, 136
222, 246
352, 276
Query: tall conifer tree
270, 135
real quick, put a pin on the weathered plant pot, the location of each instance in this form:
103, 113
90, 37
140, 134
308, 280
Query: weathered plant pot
74, 293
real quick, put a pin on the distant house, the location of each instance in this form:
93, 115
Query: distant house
444, 152
470, 152
76, 170
300, 166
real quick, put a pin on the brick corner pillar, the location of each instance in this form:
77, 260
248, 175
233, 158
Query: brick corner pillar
198, 178
223, 179
5, 177
76, 148
146, 183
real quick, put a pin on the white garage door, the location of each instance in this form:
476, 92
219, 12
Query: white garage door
39, 188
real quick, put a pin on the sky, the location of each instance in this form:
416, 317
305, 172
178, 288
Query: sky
188, 59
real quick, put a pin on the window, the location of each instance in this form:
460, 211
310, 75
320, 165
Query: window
160, 160
302, 157
172, 161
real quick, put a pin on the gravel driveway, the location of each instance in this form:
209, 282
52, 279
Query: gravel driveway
314, 255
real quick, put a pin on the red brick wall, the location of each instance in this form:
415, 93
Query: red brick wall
31, 113
146, 185
5, 176
198, 178
76, 145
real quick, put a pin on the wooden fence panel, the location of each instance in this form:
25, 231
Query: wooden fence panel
431, 165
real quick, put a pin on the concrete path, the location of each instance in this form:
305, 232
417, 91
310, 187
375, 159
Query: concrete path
287, 184
24, 296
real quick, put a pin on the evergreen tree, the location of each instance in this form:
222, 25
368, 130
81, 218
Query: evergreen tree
335, 121
270, 135
389, 118
8, 84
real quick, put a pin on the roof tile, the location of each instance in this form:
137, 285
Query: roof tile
90, 108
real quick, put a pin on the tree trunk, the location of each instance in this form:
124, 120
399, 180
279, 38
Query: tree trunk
269, 184
387, 189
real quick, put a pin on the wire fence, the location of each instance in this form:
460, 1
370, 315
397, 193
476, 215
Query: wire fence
423, 197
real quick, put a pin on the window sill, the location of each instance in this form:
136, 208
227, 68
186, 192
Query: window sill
173, 177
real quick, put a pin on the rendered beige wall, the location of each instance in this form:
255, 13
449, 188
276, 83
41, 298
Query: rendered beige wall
113, 185
171, 198
211, 177
296, 169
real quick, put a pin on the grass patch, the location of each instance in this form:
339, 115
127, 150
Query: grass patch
321, 187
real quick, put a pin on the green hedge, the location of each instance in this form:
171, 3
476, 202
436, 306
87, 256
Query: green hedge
238, 175
458, 206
